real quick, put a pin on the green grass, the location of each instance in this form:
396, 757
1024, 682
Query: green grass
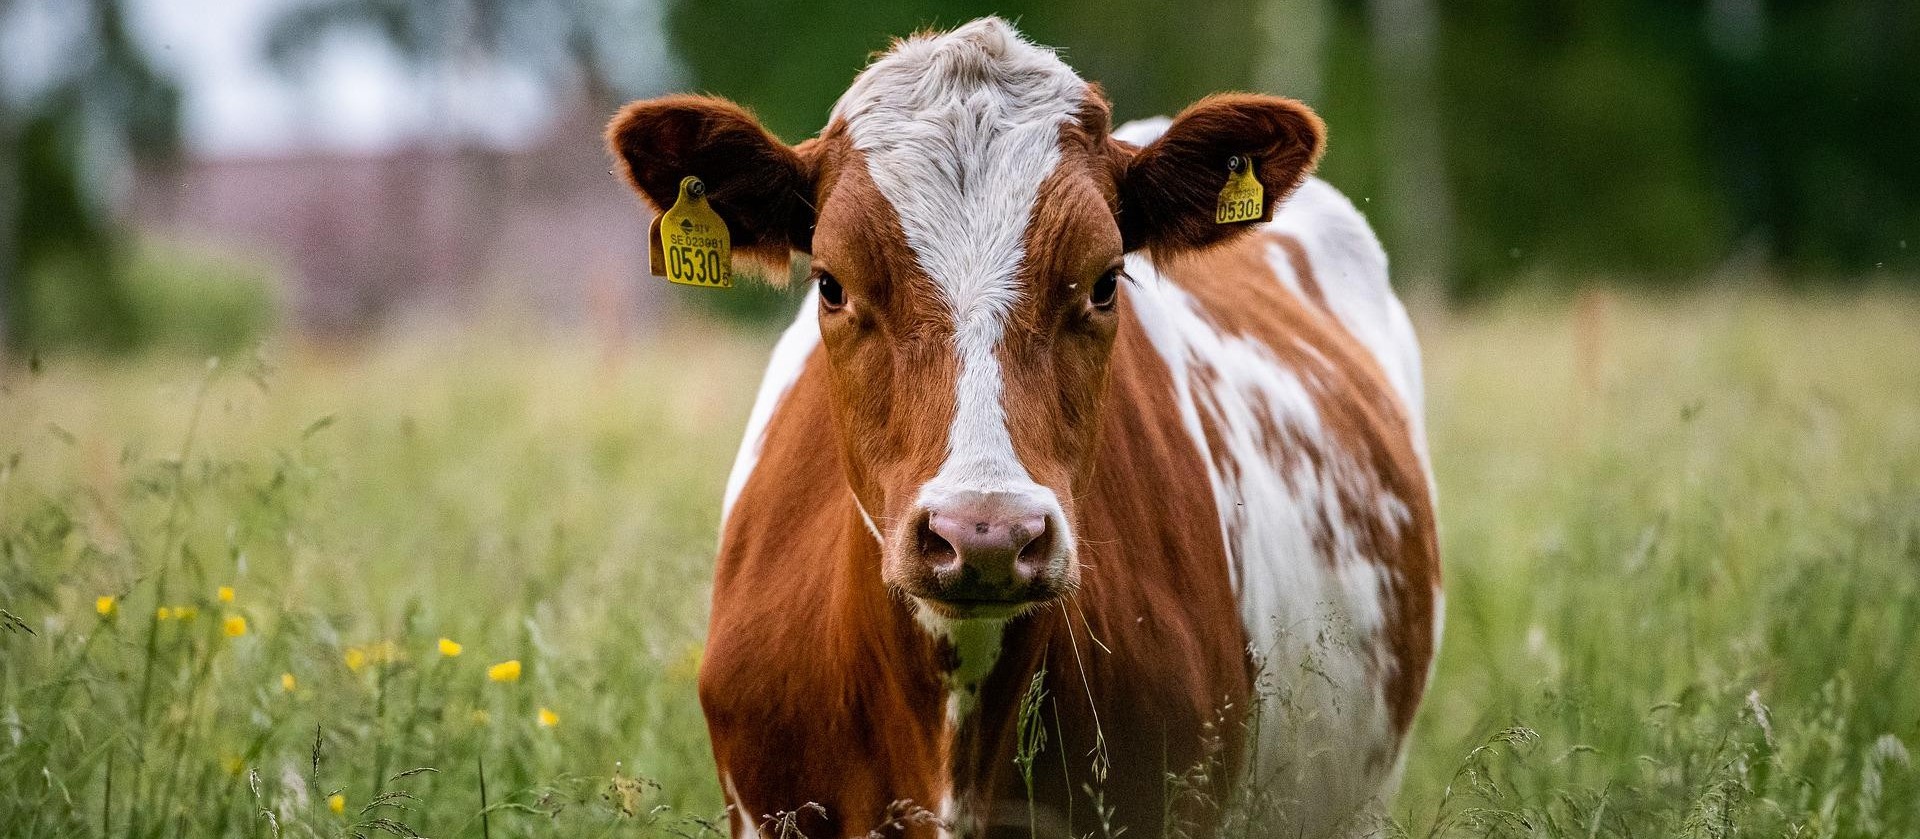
1682, 543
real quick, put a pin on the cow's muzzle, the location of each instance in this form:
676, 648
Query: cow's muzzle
972, 554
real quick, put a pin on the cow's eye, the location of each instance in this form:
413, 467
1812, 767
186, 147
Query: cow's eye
831, 294
1105, 289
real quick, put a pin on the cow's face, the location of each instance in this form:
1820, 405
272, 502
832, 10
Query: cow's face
967, 212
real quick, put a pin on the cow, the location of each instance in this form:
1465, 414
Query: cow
1063, 508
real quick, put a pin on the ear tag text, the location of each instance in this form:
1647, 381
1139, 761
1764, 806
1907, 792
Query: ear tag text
1241, 199
690, 244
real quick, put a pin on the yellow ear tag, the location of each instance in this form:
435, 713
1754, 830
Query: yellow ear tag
1241, 199
691, 245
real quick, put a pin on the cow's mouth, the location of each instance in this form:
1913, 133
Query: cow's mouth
981, 609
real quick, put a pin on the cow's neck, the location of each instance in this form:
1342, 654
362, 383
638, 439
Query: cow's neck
970, 651
977, 663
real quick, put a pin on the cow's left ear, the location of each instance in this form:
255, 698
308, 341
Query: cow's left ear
761, 187
1170, 189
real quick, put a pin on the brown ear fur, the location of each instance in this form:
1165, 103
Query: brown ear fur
760, 187
1169, 189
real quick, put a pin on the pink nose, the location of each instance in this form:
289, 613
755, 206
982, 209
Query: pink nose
985, 547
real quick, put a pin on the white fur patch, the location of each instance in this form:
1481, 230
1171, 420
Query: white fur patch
867, 519
783, 369
1142, 131
959, 130
950, 814
976, 645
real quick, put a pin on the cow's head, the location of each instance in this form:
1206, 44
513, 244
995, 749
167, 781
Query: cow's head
967, 212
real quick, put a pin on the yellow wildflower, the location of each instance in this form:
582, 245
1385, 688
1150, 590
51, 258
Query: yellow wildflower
450, 647
162, 613
356, 658
288, 682
225, 594
105, 604
506, 671
234, 626
548, 718
479, 716
234, 764
337, 803
185, 613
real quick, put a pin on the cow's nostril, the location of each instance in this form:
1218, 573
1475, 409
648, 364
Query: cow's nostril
1036, 542
934, 547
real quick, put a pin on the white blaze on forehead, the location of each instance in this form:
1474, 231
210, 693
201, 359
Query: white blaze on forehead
959, 130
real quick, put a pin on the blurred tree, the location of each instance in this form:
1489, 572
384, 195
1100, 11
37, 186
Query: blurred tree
1811, 115
1650, 141
87, 99
1574, 146
1405, 50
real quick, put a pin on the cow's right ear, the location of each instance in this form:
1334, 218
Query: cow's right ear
761, 187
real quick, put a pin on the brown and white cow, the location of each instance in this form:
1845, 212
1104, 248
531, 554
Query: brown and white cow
1042, 415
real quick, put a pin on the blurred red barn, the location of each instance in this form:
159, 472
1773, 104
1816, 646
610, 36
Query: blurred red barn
358, 239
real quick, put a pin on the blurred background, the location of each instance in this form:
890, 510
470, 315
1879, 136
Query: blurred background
201, 173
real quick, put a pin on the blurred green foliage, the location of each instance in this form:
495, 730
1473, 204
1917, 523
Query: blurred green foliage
159, 296
199, 301
61, 249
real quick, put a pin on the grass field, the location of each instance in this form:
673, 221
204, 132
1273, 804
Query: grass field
1682, 543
